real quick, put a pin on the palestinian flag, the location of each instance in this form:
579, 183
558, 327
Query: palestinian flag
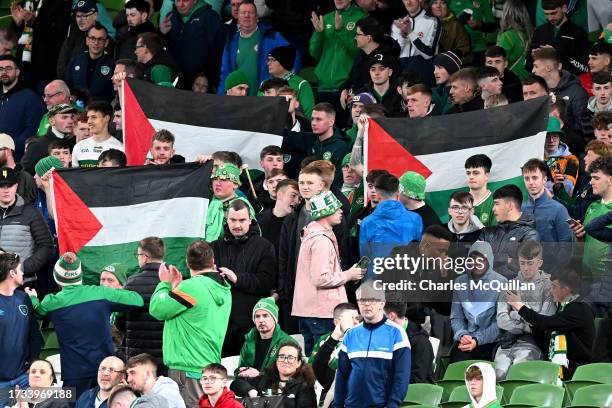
102, 213
438, 146
201, 123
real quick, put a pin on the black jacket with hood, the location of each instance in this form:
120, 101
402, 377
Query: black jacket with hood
505, 239
253, 259
569, 87
359, 76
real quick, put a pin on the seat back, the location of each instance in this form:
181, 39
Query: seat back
544, 372
594, 396
545, 395
424, 394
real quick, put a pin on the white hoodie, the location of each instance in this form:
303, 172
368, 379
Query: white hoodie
168, 389
488, 389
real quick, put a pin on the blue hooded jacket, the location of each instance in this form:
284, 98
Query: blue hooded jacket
268, 40
390, 225
474, 310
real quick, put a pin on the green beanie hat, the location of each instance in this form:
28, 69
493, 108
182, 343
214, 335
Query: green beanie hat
227, 171
554, 125
412, 185
47, 163
66, 273
323, 205
118, 270
346, 160
269, 305
234, 79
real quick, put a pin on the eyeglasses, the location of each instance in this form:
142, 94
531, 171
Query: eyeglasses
97, 39
110, 370
286, 358
139, 45
460, 208
210, 379
7, 69
367, 301
45, 96
360, 35
137, 254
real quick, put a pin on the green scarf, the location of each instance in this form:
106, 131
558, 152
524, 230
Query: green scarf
557, 349
215, 217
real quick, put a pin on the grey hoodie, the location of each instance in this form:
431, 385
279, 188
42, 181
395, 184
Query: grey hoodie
569, 86
168, 389
150, 401
539, 300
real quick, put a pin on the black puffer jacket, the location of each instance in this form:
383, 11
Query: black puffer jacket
24, 231
143, 332
253, 259
359, 76
505, 238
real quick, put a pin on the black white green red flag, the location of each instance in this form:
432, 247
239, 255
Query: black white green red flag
102, 213
438, 146
201, 123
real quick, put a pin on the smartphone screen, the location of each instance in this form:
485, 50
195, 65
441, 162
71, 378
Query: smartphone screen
364, 262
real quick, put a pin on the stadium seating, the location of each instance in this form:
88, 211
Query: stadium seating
593, 396
537, 395
529, 372
426, 394
589, 374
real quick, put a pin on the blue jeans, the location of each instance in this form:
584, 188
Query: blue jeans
6, 386
312, 328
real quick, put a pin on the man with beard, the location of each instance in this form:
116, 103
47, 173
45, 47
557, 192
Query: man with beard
110, 373
62, 123
20, 107
26, 185
137, 14
248, 262
261, 343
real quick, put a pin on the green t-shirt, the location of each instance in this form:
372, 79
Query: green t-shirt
247, 60
484, 211
161, 73
595, 251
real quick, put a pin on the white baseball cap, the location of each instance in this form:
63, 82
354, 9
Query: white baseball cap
6, 142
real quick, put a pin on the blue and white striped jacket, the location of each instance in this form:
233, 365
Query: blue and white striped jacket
373, 366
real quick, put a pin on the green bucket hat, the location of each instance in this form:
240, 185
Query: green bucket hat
323, 205
227, 171
118, 270
47, 163
554, 125
412, 185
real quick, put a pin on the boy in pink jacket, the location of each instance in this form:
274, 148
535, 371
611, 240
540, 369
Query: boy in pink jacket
319, 280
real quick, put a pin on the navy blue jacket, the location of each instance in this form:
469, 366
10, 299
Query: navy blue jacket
373, 366
101, 86
20, 113
196, 45
268, 40
88, 399
20, 340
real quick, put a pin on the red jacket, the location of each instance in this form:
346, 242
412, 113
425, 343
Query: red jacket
226, 400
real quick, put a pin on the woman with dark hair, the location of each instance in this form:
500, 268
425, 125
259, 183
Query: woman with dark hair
43, 391
291, 378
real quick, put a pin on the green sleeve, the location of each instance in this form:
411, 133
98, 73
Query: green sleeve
316, 44
166, 304
562, 195
241, 360
39, 308
43, 126
161, 73
121, 298
306, 97
347, 37
505, 41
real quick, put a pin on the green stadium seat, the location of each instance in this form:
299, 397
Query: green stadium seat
529, 372
589, 374
460, 396
425, 394
454, 376
44, 353
537, 395
593, 396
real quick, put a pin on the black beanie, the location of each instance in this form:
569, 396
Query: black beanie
449, 61
285, 56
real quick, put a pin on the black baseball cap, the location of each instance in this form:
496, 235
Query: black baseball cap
8, 176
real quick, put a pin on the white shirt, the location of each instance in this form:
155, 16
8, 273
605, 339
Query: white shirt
87, 151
